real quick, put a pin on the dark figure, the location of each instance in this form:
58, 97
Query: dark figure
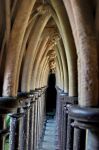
51, 94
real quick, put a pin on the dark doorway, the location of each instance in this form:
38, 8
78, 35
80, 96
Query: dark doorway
51, 94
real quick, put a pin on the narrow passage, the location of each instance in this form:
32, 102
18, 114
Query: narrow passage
49, 140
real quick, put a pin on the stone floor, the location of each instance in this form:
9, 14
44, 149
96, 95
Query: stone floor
49, 141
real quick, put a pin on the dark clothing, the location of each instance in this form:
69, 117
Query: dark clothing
51, 94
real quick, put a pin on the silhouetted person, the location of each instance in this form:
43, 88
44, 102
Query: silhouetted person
51, 94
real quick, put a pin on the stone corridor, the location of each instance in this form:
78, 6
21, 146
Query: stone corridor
42, 38
49, 140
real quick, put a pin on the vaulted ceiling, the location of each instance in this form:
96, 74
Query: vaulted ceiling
42, 36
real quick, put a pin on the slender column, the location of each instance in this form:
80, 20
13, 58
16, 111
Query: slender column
69, 144
79, 139
1, 128
24, 129
34, 125
2, 131
40, 126
31, 122
14, 131
42, 114
93, 139
39, 118
62, 124
36, 120
58, 117
65, 128
61, 117
87, 119
69, 131
65, 120
7, 105
30, 127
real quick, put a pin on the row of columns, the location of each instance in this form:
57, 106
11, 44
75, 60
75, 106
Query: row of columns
75, 123
27, 115
65, 131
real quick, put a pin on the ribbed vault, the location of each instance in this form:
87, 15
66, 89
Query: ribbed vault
38, 37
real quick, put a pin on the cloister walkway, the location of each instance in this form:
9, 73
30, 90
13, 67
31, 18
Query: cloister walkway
49, 140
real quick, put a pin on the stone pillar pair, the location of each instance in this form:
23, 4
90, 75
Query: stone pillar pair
20, 125
3, 131
86, 119
7, 105
26, 120
39, 116
65, 130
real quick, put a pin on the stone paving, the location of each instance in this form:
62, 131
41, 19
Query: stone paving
49, 141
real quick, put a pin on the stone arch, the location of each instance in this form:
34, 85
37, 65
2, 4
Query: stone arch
29, 73
14, 48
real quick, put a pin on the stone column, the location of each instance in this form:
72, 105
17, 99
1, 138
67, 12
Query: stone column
24, 128
88, 120
36, 120
14, 131
2, 127
7, 105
